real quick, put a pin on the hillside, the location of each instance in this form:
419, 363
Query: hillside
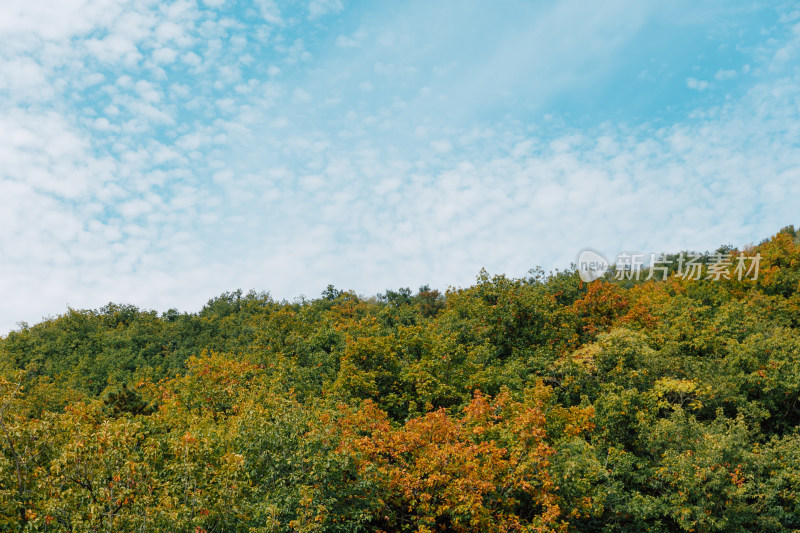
535, 404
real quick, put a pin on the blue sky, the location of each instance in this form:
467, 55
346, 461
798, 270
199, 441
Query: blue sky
162, 153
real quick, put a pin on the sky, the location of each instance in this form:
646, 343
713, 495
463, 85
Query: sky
160, 153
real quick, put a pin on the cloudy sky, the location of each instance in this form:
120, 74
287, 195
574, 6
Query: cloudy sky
160, 153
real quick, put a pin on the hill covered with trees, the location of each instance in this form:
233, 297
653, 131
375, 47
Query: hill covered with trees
534, 404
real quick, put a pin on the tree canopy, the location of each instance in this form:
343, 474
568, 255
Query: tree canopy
534, 404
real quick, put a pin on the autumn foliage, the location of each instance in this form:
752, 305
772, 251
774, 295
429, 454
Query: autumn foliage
541, 404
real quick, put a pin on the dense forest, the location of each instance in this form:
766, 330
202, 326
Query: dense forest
533, 404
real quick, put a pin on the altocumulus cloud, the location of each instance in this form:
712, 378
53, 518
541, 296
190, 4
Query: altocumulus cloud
161, 153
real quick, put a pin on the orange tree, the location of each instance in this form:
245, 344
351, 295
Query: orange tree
488, 469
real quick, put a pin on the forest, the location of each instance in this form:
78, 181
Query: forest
537, 404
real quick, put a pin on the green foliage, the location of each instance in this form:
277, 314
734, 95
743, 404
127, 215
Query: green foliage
125, 400
535, 404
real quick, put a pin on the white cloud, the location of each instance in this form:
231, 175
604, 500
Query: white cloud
25, 79
301, 96
114, 48
722, 75
165, 55
351, 41
269, 11
56, 21
168, 31
442, 146
320, 8
697, 85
